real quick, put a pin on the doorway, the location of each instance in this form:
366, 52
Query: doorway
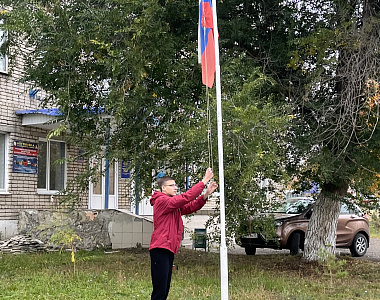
98, 188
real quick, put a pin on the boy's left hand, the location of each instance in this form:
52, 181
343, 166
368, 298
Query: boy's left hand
210, 189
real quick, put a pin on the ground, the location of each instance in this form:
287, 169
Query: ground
373, 252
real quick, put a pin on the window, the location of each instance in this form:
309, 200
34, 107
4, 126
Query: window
3, 163
51, 172
3, 59
98, 186
351, 209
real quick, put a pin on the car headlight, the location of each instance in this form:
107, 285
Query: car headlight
278, 223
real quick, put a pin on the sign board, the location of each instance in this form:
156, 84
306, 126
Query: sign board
125, 169
25, 157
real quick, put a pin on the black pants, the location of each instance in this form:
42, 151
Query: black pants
161, 262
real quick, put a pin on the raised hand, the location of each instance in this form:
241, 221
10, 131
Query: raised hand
208, 176
210, 189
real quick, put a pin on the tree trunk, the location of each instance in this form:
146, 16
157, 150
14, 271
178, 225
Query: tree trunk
321, 232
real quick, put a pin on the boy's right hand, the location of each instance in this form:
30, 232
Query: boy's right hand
208, 176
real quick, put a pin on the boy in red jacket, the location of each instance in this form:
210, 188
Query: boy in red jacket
168, 207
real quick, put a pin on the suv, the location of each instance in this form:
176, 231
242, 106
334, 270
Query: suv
291, 221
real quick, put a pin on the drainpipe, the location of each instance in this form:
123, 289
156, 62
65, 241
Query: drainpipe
137, 191
107, 169
107, 181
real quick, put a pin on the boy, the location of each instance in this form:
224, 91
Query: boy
168, 207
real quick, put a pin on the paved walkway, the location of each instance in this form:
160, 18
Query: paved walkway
373, 252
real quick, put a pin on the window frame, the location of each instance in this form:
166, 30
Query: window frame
47, 190
4, 190
4, 58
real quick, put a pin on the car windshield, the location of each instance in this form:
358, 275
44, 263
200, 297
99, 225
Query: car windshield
293, 205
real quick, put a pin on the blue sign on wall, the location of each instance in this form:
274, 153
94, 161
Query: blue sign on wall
125, 169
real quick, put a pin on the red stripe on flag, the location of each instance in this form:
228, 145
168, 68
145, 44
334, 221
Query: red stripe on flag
207, 43
208, 61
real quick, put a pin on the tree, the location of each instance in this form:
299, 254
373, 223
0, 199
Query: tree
324, 58
112, 58
338, 110
136, 61
299, 79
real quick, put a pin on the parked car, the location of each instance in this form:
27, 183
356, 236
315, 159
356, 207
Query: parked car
291, 221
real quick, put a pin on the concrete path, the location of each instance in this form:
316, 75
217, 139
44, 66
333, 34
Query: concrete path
373, 252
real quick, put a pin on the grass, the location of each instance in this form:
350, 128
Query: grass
126, 275
374, 232
374, 224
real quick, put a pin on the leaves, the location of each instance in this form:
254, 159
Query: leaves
124, 73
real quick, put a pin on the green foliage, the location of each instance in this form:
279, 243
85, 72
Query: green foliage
115, 58
66, 238
253, 145
338, 143
332, 266
375, 221
296, 100
136, 62
264, 224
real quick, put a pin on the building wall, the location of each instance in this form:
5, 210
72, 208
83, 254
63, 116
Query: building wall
124, 191
97, 228
21, 190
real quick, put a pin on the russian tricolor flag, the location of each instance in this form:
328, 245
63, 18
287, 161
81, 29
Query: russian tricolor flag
206, 46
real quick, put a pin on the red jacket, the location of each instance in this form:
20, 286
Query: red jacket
167, 212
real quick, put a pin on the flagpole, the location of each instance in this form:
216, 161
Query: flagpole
223, 246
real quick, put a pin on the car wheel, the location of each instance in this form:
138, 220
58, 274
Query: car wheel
359, 245
250, 250
294, 243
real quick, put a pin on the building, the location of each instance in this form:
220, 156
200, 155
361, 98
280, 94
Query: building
28, 177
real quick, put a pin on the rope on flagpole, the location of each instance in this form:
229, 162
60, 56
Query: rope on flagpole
209, 137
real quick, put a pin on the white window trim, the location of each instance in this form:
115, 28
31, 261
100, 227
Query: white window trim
6, 61
48, 191
4, 191
6, 66
102, 182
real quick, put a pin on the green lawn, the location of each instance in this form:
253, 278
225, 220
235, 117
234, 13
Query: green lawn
126, 275
374, 232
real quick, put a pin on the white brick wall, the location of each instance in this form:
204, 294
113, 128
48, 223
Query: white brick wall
22, 188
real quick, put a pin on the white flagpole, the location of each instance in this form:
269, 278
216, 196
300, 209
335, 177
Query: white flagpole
223, 246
